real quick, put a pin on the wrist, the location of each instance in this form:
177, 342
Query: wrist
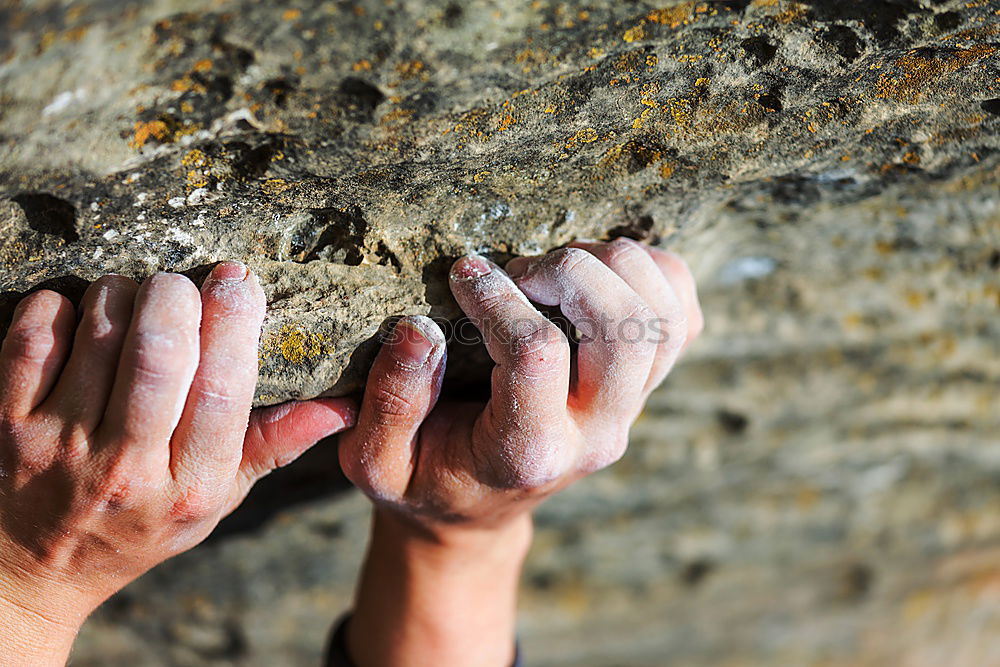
30, 636
453, 545
438, 595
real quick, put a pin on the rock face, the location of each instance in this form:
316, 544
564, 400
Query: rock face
816, 485
350, 152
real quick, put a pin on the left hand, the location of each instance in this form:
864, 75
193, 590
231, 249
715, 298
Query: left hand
124, 439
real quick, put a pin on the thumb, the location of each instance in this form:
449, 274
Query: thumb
278, 435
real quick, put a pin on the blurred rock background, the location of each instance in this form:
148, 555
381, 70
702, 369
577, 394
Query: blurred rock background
817, 484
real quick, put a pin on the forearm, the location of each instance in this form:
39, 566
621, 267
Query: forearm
425, 601
30, 639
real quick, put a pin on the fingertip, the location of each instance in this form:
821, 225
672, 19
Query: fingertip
229, 270
518, 266
414, 340
471, 267
343, 412
43, 303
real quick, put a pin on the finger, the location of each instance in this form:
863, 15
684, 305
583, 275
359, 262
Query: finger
81, 395
403, 386
34, 351
208, 443
531, 378
157, 364
636, 267
616, 353
278, 435
679, 274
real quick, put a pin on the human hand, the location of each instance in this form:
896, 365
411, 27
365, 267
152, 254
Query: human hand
551, 419
124, 439
454, 482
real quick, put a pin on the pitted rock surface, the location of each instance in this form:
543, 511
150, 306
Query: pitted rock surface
349, 152
816, 484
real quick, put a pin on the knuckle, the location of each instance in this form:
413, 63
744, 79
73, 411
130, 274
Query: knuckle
40, 304
622, 252
195, 504
534, 474
522, 463
154, 355
365, 474
538, 346
117, 490
217, 397
606, 455
113, 281
171, 281
390, 406
568, 260
31, 342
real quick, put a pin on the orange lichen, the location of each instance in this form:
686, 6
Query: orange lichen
505, 122
154, 129
274, 186
672, 16
410, 69
918, 71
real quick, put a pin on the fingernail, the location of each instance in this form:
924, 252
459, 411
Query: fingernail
411, 345
470, 268
518, 266
230, 271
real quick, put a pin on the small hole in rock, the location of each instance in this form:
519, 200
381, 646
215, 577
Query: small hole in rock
991, 106
361, 93
49, 215
695, 572
759, 50
732, 422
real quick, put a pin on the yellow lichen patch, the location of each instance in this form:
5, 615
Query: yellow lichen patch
793, 13
672, 16
274, 186
410, 69
631, 155
635, 34
596, 52
585, 136
154, 129
203, 65
195, 158
294, 344
196, 179
505, 122
680, 109
919, 71
667, 170
362, 65
291, 14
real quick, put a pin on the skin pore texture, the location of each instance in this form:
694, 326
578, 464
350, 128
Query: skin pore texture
126, 435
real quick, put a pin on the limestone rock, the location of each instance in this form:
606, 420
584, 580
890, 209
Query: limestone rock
350, 152
816, 484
